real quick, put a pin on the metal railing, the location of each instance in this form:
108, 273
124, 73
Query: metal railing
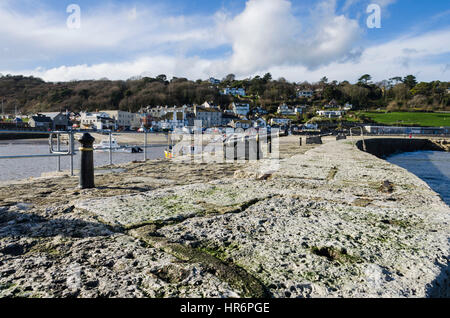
110, 134
362, 135
52, 152
56, 151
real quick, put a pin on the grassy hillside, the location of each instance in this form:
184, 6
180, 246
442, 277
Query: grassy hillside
409, 119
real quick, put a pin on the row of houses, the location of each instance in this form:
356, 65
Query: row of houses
241, 91
109, 119
210, 115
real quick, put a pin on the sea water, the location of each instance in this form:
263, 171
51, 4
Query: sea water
431, 166
17, 169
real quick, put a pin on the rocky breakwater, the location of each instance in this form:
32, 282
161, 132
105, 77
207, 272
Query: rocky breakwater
334, 222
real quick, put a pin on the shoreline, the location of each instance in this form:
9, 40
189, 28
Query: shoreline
324, 224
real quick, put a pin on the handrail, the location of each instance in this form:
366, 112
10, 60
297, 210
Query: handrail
58, 144
57, 154
362, 135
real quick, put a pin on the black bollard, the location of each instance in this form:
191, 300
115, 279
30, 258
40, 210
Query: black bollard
258, 151
224, 147
269, 143
87, 162
300, 141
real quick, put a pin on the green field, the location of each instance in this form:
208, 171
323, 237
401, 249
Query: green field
410, 119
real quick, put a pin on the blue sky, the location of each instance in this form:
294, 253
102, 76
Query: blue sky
296, 39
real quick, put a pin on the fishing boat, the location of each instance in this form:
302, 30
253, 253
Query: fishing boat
107, 145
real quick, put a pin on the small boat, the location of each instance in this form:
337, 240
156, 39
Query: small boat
106, 145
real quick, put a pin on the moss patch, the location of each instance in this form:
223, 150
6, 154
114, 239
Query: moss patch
235, 276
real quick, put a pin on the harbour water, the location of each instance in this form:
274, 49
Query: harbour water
17, 169
431, 166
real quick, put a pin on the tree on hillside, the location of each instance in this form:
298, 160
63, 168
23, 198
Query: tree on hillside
396, 79
422, 89
161, 78
365, 79
230, 78
410, 81
267, 77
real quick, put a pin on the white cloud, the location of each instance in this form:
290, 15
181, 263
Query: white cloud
267, 33
385, 61
266, 36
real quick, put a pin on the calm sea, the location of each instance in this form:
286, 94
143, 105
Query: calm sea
431, 166
17, 169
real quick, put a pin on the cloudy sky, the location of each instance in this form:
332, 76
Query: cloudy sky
296, 39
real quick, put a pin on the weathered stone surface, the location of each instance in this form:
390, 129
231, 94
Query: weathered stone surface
313, 234
334, 222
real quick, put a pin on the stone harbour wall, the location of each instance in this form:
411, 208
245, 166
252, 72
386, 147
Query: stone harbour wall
332, 222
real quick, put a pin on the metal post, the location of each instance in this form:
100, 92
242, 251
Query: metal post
72, 151
300, 141
145, 145
110, 148
58, 147
87, 162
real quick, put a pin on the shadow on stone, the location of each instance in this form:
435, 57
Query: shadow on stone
17, 224
137, 189
440, 287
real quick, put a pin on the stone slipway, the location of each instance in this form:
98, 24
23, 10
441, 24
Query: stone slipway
334, 222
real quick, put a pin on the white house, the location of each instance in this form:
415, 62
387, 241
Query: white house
305, 93
234, 91
285, 110
240, 109
98, 121
171, 117
331, 113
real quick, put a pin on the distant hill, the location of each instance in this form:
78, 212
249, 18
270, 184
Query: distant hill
32, 95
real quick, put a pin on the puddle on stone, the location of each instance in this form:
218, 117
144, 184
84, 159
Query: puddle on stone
100, 172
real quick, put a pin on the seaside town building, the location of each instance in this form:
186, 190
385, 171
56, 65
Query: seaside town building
280, 122
285, 110
99, 121
123, 119
331, 113
60, 120
40, 121
214, 81
305, 93
234, 91
240, 109
210, 117
244, 124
